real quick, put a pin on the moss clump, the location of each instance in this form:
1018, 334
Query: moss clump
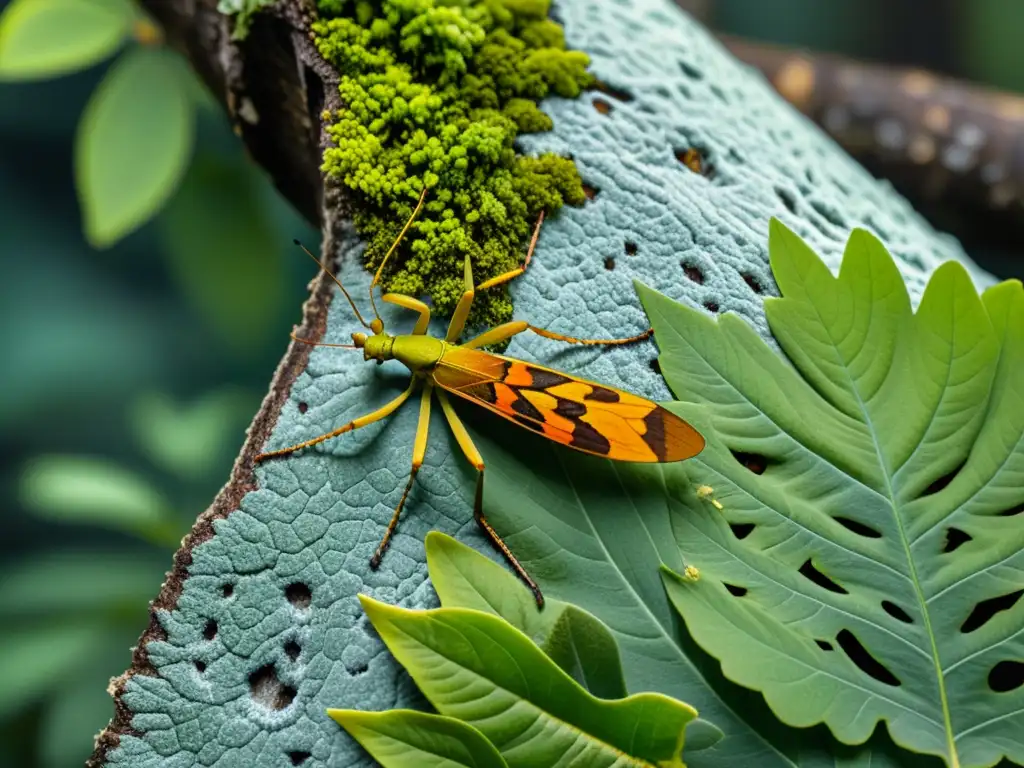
435, 93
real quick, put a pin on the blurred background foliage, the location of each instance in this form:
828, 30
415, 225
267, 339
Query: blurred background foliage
143, 311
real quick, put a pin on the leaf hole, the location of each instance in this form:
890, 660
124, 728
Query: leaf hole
955, 538
609, 263
303, 406
754, 462
809, 572
590, 191
787, 199
1012, 511
200, 667
299, 595
896, 612
1006, 676
630, 248
734, 590
943, 481
711, 306
266, 689
655, 365
615, 93
298, 758
741, 530
227, 590
865, 662
825, 645
985, 610
210, 630
602, 106
292, 650
858, 527
693, 273
752, 282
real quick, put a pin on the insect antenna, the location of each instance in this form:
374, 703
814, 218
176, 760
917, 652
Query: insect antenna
321, 343
336, 280
380, 269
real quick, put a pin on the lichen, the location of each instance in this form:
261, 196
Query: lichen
435, 93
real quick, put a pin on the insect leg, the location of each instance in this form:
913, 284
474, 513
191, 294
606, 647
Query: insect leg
416, 306
466, 443
607, 342
462, 310
419, 450
381, 413
497, 334
514, 273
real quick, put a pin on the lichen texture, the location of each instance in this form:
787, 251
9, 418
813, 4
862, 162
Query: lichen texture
288, 638
434, 95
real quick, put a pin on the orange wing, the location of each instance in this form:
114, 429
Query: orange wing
581, 414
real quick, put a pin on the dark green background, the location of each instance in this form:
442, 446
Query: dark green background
201, 301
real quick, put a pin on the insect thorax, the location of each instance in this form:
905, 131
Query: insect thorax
417, 353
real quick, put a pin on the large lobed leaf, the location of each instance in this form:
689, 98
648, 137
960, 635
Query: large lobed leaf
867, 563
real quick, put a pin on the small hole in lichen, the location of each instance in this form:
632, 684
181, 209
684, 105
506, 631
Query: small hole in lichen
609, 263
268, 690
303, 407
210, 630
825, 645
691, 158
227, 590
1006, 676
655, 365
630, 248
589, 191
711, 306
987, 609
830, 214
292, 650
693, 273
299, 595
809, 572
690, 71
753, 283
615, 93
298, 758
200, 667
787, 199
734, 590
602, 106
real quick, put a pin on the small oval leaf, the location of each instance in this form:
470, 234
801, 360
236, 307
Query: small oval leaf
405, 738
133, 143
44, 38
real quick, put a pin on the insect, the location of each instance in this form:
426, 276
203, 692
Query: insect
580, 414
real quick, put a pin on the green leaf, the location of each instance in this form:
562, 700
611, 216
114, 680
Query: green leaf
67, 583
582, 646
869, 548
405, 738
44, 38
575, 640
190, 440
478, 668
133, 143
94, 491
700, 735
33, 660
223, 250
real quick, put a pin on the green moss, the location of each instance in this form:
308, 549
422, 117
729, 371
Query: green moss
435, 93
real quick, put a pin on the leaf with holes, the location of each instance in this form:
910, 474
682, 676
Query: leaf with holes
866, 561
478, 668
